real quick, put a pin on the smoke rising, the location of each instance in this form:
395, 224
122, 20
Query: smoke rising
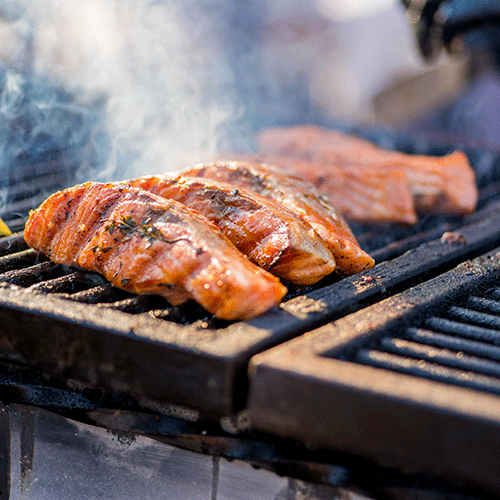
143, 82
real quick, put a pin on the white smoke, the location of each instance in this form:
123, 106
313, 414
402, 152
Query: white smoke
159, 68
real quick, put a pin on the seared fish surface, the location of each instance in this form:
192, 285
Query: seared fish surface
301, 198
444, 185
364, 195
143, 243
271, 236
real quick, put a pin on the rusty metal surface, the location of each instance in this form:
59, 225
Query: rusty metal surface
310, 389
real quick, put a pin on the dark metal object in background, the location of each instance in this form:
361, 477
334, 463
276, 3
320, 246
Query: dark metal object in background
454, 25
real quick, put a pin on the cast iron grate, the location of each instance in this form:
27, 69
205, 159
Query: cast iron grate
74, 324
204, 360
47, 137
411, 383
19, 196
460, 346
22, 266
32, 270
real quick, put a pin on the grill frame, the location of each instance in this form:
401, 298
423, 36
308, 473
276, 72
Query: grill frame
302, 390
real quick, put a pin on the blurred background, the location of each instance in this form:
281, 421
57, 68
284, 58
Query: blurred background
130, 86
350, 52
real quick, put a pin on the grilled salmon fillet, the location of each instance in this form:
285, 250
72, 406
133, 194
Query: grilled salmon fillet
271, 236
143, 243
440, 184
367, 195
298, 196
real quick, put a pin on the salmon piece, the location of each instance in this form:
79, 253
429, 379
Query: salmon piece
145, 244
359, 195
270, 235
443, 185
298, 196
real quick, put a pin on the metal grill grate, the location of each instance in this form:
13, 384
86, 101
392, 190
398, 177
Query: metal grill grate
125, 340
32, 270
461, 346
19, 196
410, 382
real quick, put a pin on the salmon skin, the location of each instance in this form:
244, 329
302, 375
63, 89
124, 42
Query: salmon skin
444, 185
143, 243
271, 236
301, 198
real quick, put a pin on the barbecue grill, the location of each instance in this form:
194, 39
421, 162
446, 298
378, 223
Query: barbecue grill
392, 372
384, 384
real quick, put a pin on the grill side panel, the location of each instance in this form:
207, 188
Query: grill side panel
130, 359
319, 389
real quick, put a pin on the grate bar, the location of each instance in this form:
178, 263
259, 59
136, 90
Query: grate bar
470, 316
13, 243
484, 305
25, 205
48, 397
138, 304
98, 295
463, 330
16, 224
70, 283
20, 260
424, 369
48, 183
495, 293
400, 246
454, 343
43, 171
446, 357
34, 274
